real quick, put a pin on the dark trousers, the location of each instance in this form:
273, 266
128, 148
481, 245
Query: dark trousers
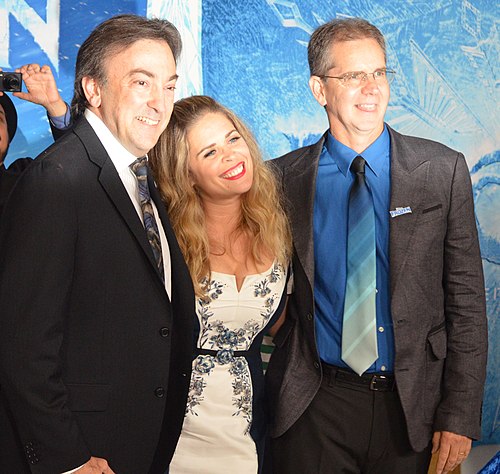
349, 429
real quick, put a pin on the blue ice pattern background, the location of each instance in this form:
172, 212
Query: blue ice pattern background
252, 56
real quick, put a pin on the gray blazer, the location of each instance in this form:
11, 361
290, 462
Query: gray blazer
437, 292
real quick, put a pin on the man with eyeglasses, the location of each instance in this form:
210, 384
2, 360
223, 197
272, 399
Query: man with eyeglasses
381, 360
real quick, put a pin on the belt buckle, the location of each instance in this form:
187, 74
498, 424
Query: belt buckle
375, 379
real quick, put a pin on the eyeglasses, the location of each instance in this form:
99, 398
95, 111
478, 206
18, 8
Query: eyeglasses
357, 78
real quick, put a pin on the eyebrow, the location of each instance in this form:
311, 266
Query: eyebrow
213, 144
150, 74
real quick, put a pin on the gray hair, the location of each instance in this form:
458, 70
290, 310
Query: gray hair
337, 31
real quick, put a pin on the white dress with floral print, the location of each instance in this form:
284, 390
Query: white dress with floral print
217, 434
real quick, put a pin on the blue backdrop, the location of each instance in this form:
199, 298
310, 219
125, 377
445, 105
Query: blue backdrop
251, 55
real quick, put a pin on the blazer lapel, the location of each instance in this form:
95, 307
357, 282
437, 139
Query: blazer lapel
409, 176
113, 186
299, 179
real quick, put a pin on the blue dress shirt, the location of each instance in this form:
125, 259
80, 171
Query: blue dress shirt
331, 200
62, 122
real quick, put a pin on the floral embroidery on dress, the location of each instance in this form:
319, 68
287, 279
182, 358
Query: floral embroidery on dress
225, 338
214, 335
202, 365
276, 273
268, 308
213, 290
242, 390
262, 288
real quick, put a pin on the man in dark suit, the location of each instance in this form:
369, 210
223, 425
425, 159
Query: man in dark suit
42, 90
97, 302
382, 357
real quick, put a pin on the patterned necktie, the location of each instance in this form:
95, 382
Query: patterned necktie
359, 334
140, 169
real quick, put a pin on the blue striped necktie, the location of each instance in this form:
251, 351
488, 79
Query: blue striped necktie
359, 332
140, 169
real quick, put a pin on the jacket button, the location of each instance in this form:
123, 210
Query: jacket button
164, 332
316, 365
160, 392
309, 316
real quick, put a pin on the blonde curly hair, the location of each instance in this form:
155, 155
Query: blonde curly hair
262, 214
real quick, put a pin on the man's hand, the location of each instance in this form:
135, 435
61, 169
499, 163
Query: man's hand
42, 89
95, 466
453, 449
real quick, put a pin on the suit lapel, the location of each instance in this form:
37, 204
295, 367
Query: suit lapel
114, 188
299, 179
409, 176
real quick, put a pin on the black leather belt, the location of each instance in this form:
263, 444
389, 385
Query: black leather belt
376, 382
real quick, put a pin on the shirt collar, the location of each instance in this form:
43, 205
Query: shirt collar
376, 155
119, 155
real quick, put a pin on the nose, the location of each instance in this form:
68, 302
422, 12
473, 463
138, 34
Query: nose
157, 99
369, 84
226, 153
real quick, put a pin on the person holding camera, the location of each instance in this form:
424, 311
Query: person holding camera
42, 90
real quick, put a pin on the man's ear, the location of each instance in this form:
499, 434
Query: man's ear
92, 91
317, 88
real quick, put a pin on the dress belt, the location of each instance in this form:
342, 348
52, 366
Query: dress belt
223, 356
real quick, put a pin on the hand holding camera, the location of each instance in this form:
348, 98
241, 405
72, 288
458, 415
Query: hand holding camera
40, 85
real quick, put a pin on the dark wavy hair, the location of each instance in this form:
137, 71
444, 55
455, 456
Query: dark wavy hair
111, 37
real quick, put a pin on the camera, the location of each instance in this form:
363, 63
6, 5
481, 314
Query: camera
11, 81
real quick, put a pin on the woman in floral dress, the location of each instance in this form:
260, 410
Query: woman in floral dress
225, 209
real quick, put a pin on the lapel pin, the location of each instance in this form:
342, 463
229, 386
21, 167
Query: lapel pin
400, 211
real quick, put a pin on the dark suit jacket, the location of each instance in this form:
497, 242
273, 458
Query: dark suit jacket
94, 357
437, 292
9, 176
